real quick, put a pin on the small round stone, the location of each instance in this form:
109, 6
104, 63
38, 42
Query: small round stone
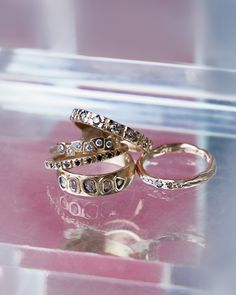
99, 157
67, 164
77, 162
73, 185
78, 145
89, 160
109, 144
83, 116
99, 142
97, 120
115, 127
60, 148
88, 147
110, 155
90, 186
132, 135
70, 151
158, 183
62, 182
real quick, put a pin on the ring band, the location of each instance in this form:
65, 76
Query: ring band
67, 163
181, 183
85, 147
134, 139
101, 184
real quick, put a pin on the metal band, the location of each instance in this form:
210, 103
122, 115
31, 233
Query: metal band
134, 139
66, 162
101, 184
180, 183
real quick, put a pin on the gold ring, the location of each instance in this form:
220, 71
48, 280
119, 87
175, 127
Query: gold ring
86, 147
101, 184
134, 139
79, 159
180, 183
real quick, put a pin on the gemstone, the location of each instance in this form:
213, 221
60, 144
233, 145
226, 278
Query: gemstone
73, 185
67, 164
109, 144
77, 162
107, 185
119, 183
83, 116
169, 185
88, 147
99, 157
90, 186
89, 160
70, 151
74, 209
158, 183
78, 145
62, 182
115, 127
60, 148
97, 120
131, 135
99, 142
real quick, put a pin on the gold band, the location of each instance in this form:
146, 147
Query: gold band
66, 162
101, 184
181, 183
134, 139
85, 147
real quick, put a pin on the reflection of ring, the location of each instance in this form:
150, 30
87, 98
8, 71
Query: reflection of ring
181, 183
134, 139
80, 159
85, 147
101, 184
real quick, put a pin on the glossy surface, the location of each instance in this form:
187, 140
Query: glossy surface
171, 242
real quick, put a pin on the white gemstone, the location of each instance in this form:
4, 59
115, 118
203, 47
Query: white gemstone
109, 144
60, 148
73, 185
158, 183
97, 120
62, 182
99, 142
70, 151
83, 116
78, 145
90, 186
89, 147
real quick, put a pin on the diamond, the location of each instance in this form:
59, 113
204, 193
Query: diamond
77, 145
169, 185
60, 148
115, 128
83, 116
158, 183
99, 142
99, 157
119, 183
88, 147
131, 135
89, 160
90, 186
107, 185
62, 182
97, 120
67, 164
73, 185
77, 162
109, 144
70, 151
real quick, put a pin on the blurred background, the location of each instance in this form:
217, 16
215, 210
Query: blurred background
183, 31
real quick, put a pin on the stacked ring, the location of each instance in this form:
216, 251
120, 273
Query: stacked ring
134, 139
110, 141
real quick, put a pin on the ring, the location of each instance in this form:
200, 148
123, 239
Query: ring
75, 161
134, 139
85, 147
180, 183
101, 184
